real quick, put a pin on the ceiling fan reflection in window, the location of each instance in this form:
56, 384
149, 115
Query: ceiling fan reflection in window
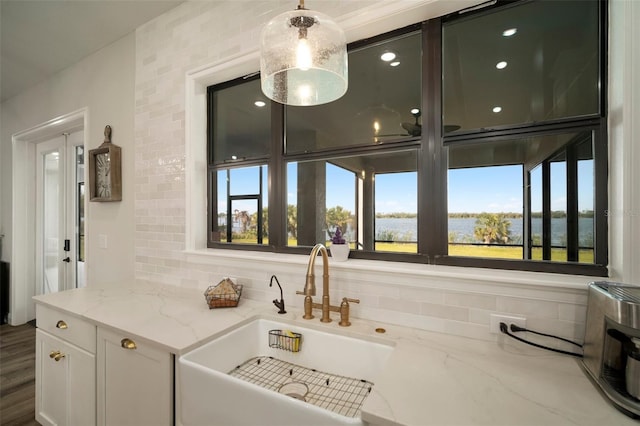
415, 129
384, 118
380, 121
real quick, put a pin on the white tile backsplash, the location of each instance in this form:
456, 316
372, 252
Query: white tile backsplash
472, 300
528, 307
449, 300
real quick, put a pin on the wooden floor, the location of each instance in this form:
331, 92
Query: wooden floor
17, 375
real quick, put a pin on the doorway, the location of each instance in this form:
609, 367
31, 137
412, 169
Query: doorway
33, 254
60, 213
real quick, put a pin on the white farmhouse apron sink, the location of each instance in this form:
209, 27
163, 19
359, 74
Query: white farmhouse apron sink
240, 379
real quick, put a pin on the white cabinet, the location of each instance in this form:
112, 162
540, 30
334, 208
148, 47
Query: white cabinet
135, 381
65, 369
88, 375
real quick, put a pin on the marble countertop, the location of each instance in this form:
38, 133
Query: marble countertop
430, 379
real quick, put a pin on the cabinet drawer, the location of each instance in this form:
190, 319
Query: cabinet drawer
66, 326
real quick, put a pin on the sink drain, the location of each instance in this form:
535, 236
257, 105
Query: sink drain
297, 390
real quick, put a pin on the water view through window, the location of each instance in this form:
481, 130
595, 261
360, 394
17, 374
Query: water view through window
470, 148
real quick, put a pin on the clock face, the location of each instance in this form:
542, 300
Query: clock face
103, 175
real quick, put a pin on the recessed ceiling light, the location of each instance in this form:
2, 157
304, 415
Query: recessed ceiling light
388, 56
497, 109
509, 32
259, 104
395, 64
501, 65
234, 157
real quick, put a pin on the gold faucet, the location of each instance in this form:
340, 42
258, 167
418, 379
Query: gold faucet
310, 290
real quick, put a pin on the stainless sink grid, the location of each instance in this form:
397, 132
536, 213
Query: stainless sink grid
342, 395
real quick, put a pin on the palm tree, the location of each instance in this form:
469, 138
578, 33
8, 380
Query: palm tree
243, 218
338, 216
265, 221
492, 228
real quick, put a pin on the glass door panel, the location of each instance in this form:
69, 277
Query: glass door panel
50, 223
60, 213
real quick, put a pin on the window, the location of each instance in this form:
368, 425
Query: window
522, 122
530, 197
239, 144
376, 108
242, 193
529, 62
476, 139
371, 197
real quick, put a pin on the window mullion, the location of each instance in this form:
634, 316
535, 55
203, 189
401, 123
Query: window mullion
600, 211
212, 205
572, 204
527, 240
546, 210
229, 210
432, 161
277, 216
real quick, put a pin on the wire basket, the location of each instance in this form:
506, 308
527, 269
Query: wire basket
285, 340
224, 300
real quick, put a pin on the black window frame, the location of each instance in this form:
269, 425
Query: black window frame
432, 150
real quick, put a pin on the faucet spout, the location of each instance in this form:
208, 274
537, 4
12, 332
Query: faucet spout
310, 290
310, 284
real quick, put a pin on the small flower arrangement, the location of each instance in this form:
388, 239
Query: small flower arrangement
339, 248
337, 237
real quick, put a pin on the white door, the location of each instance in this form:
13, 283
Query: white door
60, 213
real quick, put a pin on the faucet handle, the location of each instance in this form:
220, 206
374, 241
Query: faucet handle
344, 311
308, 305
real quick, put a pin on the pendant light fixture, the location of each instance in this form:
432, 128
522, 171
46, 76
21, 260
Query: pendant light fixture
303, 58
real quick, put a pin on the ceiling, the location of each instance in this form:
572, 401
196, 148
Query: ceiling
42, 37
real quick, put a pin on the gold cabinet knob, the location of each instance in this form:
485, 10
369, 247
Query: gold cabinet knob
128, 344
61, 325
56, 355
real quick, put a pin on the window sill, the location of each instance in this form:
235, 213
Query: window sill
433, 276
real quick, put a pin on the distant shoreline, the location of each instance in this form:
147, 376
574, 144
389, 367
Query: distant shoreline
508, 215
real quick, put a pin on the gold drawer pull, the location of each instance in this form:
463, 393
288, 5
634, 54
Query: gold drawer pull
56, 355
128, 344
61, 325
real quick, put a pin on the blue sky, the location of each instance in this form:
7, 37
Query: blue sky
488, 189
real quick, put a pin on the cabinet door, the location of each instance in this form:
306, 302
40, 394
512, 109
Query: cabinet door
135, 381
65, 383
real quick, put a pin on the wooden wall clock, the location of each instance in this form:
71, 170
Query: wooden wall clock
105, 171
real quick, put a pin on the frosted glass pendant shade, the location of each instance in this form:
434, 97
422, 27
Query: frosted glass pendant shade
303, 59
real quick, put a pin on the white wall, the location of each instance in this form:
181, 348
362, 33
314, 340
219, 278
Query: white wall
624, 139
103, 83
